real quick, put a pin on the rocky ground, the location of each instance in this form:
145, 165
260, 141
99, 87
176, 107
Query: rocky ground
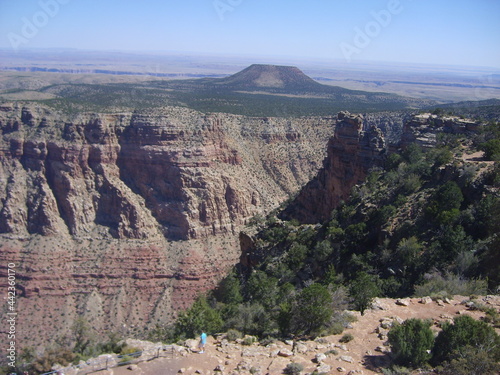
367, 353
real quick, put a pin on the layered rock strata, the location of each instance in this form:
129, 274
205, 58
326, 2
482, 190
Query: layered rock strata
123, 218
174, 173
423, 129
351, 153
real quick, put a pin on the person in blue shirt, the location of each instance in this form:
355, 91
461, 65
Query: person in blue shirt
203, 342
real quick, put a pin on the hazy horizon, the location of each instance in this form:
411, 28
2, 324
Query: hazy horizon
462, 33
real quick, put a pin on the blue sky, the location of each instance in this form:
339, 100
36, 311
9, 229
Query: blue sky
459, 32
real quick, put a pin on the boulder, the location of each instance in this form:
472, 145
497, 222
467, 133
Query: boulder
346, 358
426, 300
403, 302
285, 353
320, 357
300, 348
324, 368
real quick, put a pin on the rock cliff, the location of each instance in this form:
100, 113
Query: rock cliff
351, 153
123, 218
424, 128
175, 173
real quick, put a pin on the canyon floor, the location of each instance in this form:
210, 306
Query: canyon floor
365, 354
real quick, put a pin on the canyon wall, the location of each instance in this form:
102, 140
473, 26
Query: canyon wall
123, 218
351, 153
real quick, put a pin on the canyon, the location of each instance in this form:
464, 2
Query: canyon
352, 153
123, 218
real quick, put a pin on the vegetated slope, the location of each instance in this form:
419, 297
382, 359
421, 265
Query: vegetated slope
425, 221
432, 207
486, 110
259, 90
260, 76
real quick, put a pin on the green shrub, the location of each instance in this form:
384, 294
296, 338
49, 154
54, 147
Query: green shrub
228, 290
396, 370
411, 342
408, 251
262, 289
233, 335
322, 251
455, 339
446, 202
200, 317
411, 183
252, 318
346, 338
44, 363
313, 310
363, 290
471, 361
439, 287
336, 328
294, 368
491, 149
249, 340
296, 255
130, 350
492, 317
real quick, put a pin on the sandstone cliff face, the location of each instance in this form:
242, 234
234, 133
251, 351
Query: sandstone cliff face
352, 152
175, 173
90, 204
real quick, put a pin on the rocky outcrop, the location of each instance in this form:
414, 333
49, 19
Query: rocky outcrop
423, 129
174, 173
352, 152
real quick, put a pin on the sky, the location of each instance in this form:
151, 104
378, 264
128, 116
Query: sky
446, 32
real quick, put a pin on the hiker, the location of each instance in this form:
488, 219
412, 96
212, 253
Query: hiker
203, 342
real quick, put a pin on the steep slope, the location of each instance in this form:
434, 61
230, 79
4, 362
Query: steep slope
421, 217
171, 172
352, 152
123, 218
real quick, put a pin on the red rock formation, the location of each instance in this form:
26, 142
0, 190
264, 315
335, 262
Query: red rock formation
89, 204
352, 152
